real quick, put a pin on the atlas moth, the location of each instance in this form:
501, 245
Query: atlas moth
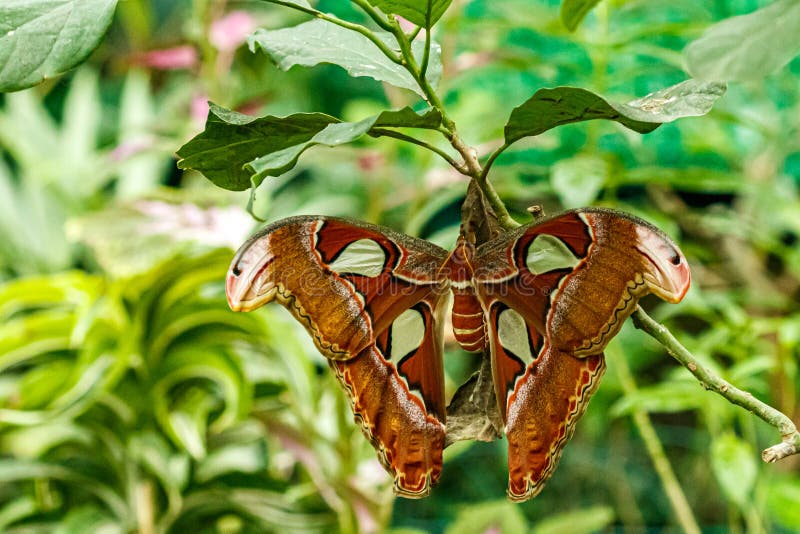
544, 300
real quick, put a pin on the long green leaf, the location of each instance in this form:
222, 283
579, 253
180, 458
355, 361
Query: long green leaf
549, 108
40, 40
12, 470
333, 135
71, 288
574, 11
272, 511
317, 41
238, 151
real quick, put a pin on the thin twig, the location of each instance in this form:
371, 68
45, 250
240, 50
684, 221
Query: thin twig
384, 132
377, 17
492, 157
423, 68
675, 494
791, 437
410, 64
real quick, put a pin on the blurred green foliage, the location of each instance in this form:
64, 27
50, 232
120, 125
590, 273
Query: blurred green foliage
132, 400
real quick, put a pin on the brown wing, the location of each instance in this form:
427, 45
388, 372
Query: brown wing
372, 300
396, 387
557, 291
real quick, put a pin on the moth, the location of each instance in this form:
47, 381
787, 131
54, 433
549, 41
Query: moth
543, 299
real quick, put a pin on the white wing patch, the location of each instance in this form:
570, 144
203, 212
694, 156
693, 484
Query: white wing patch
548, 253
364, 257
408, 331
513, 334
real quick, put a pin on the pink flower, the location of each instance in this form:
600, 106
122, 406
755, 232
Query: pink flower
229, 32
178, 57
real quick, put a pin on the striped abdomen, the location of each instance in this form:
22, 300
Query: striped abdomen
468, 324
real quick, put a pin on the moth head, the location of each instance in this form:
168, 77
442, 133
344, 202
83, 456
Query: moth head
667, 272
245, 285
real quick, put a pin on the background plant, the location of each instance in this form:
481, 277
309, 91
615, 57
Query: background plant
157, 403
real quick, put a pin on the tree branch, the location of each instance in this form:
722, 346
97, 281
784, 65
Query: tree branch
791, 437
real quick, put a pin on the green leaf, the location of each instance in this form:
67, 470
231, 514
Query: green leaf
747, 47
89, 519
42, 383
317, 41
15, 469
70, 289
188, 419
153, 452
238, 151
423, 13
188, 365
549, 108
734, 466
277, 163
40, 40
574, 11
30, 442
577, 521
28, 337
273, 511
232, 139
16, 510
236, 458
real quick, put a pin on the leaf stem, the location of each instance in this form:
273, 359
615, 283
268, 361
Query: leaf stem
423, 68
677, 498
374, 15
403, 137
492, 157
410, 64
790, 443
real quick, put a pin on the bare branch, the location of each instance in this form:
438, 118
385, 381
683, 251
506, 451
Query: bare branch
791, 438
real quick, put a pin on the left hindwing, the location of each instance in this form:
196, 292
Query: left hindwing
555, 292
396, 387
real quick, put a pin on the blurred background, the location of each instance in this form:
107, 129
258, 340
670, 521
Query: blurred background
133, 400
